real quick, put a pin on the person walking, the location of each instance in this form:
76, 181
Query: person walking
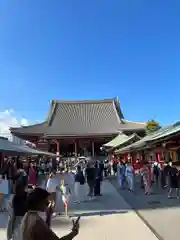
106, 168
32, 175
121, 174
52, 186
156, 172
114, 166
17, 212
79, 185
173, 181
146, 175
99, 178
129, 173
90, 174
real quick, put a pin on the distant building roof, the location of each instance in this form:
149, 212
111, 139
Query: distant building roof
120, 140
82, 118
121, 137
153, 137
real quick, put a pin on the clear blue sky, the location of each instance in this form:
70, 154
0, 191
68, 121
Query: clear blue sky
96, 49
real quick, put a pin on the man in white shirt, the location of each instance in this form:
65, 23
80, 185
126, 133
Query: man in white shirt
52, 186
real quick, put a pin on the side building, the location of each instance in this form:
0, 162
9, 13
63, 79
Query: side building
79, 127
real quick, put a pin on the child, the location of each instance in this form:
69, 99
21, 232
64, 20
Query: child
66, 193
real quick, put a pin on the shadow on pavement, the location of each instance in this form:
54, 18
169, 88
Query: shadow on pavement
98, 213
139, 201
63, 222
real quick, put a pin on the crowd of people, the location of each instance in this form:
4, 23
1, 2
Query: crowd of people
165, 176
33, 206
92, 174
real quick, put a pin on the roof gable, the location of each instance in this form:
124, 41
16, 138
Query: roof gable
116, 141
121, 139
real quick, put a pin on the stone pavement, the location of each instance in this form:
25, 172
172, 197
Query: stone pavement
161, 214
106, 217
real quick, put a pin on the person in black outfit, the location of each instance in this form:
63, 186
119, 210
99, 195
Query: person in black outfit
115, 167
21, 177
106, 169
167, 169
99, 178
79, 184
173, 181
156, 172
18, 212
91, 177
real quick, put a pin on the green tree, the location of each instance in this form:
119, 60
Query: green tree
152, 126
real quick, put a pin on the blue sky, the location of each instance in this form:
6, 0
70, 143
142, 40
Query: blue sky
80, 49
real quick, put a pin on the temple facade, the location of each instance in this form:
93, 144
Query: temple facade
79, 127
163, 146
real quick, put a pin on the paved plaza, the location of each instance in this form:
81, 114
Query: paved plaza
106, 217
157, 211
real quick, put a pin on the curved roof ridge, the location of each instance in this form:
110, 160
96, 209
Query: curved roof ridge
32, 125
108, 100
125, 120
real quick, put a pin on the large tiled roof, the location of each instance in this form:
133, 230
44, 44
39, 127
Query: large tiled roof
72, 118
82, 118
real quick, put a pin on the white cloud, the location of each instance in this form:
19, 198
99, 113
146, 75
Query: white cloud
9, 118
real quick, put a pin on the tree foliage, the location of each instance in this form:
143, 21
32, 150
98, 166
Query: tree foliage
152, 126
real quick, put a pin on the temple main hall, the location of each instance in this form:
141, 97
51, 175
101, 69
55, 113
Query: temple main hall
79, 127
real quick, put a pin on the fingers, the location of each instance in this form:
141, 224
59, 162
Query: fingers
76, 226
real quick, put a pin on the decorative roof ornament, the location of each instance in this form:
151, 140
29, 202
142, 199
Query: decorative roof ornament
152, 126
